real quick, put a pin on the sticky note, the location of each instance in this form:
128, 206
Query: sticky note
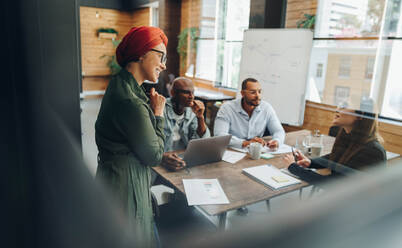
267, 156
280, 179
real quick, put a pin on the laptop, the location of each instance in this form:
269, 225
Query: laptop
206, 150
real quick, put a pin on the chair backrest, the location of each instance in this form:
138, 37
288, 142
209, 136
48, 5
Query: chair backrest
266, 132
333, 131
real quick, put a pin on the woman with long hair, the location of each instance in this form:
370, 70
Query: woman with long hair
129, 129
357, 147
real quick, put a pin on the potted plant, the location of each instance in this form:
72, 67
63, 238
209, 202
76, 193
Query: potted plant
112, 62
182, 46
107, 33
308, 21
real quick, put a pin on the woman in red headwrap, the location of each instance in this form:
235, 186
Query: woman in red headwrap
129, 127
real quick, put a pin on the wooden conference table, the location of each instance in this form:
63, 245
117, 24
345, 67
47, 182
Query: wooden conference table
239, 188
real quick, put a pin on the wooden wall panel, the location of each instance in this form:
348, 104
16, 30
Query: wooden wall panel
296, 9
190, 17
95, 83
141, 17
169, 22
93, 48
94, 68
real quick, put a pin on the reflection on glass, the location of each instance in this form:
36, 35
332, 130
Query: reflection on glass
206, 59
345, 18
346, 68
221, 34
390, 82
393, 23
358, 71
228, 64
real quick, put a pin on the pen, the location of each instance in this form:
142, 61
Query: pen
294, 155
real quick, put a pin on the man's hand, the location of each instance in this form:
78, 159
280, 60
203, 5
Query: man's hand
255, 139
172, 162
273, 144
198, 108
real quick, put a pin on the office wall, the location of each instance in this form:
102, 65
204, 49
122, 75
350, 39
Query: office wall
190, 17
94, 68
170, 23
296, 9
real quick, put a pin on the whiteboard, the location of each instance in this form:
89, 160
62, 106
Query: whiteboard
279, 60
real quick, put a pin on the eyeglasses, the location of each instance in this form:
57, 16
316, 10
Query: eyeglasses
254, 92
163, 58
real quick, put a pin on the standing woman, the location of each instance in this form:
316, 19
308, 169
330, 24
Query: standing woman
357, 147
129, 128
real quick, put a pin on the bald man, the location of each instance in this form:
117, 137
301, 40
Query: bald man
184, 120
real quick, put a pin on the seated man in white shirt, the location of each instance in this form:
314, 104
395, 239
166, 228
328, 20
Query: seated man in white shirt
248, 118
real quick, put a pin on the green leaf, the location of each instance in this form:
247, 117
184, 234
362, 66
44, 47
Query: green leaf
107, 30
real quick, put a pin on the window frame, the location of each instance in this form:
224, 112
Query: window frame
381, 40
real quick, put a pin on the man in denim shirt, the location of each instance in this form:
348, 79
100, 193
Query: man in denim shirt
184, 120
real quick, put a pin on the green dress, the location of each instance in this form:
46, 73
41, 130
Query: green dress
130, 140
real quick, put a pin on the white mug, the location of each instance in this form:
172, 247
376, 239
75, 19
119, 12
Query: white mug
316, 149
255, 150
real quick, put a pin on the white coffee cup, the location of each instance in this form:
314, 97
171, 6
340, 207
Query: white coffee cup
316, 149
255, 150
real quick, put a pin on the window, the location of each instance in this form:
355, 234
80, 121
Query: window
344, 66
370, 67
221, 36
362, 68
206, 45
319, 70
341, 95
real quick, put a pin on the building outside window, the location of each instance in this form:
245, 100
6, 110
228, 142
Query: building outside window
341, 95
370, 67
355, 56
344, 66
319, 70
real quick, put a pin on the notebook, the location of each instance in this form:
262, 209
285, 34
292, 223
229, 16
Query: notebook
270, 176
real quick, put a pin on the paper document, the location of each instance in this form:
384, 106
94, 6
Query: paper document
244, 150
204, 192
391, 155
283, 148
286, 171
232, 157
270, 176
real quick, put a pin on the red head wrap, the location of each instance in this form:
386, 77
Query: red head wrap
137, 42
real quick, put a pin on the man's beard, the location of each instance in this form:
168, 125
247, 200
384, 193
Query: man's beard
252, 102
